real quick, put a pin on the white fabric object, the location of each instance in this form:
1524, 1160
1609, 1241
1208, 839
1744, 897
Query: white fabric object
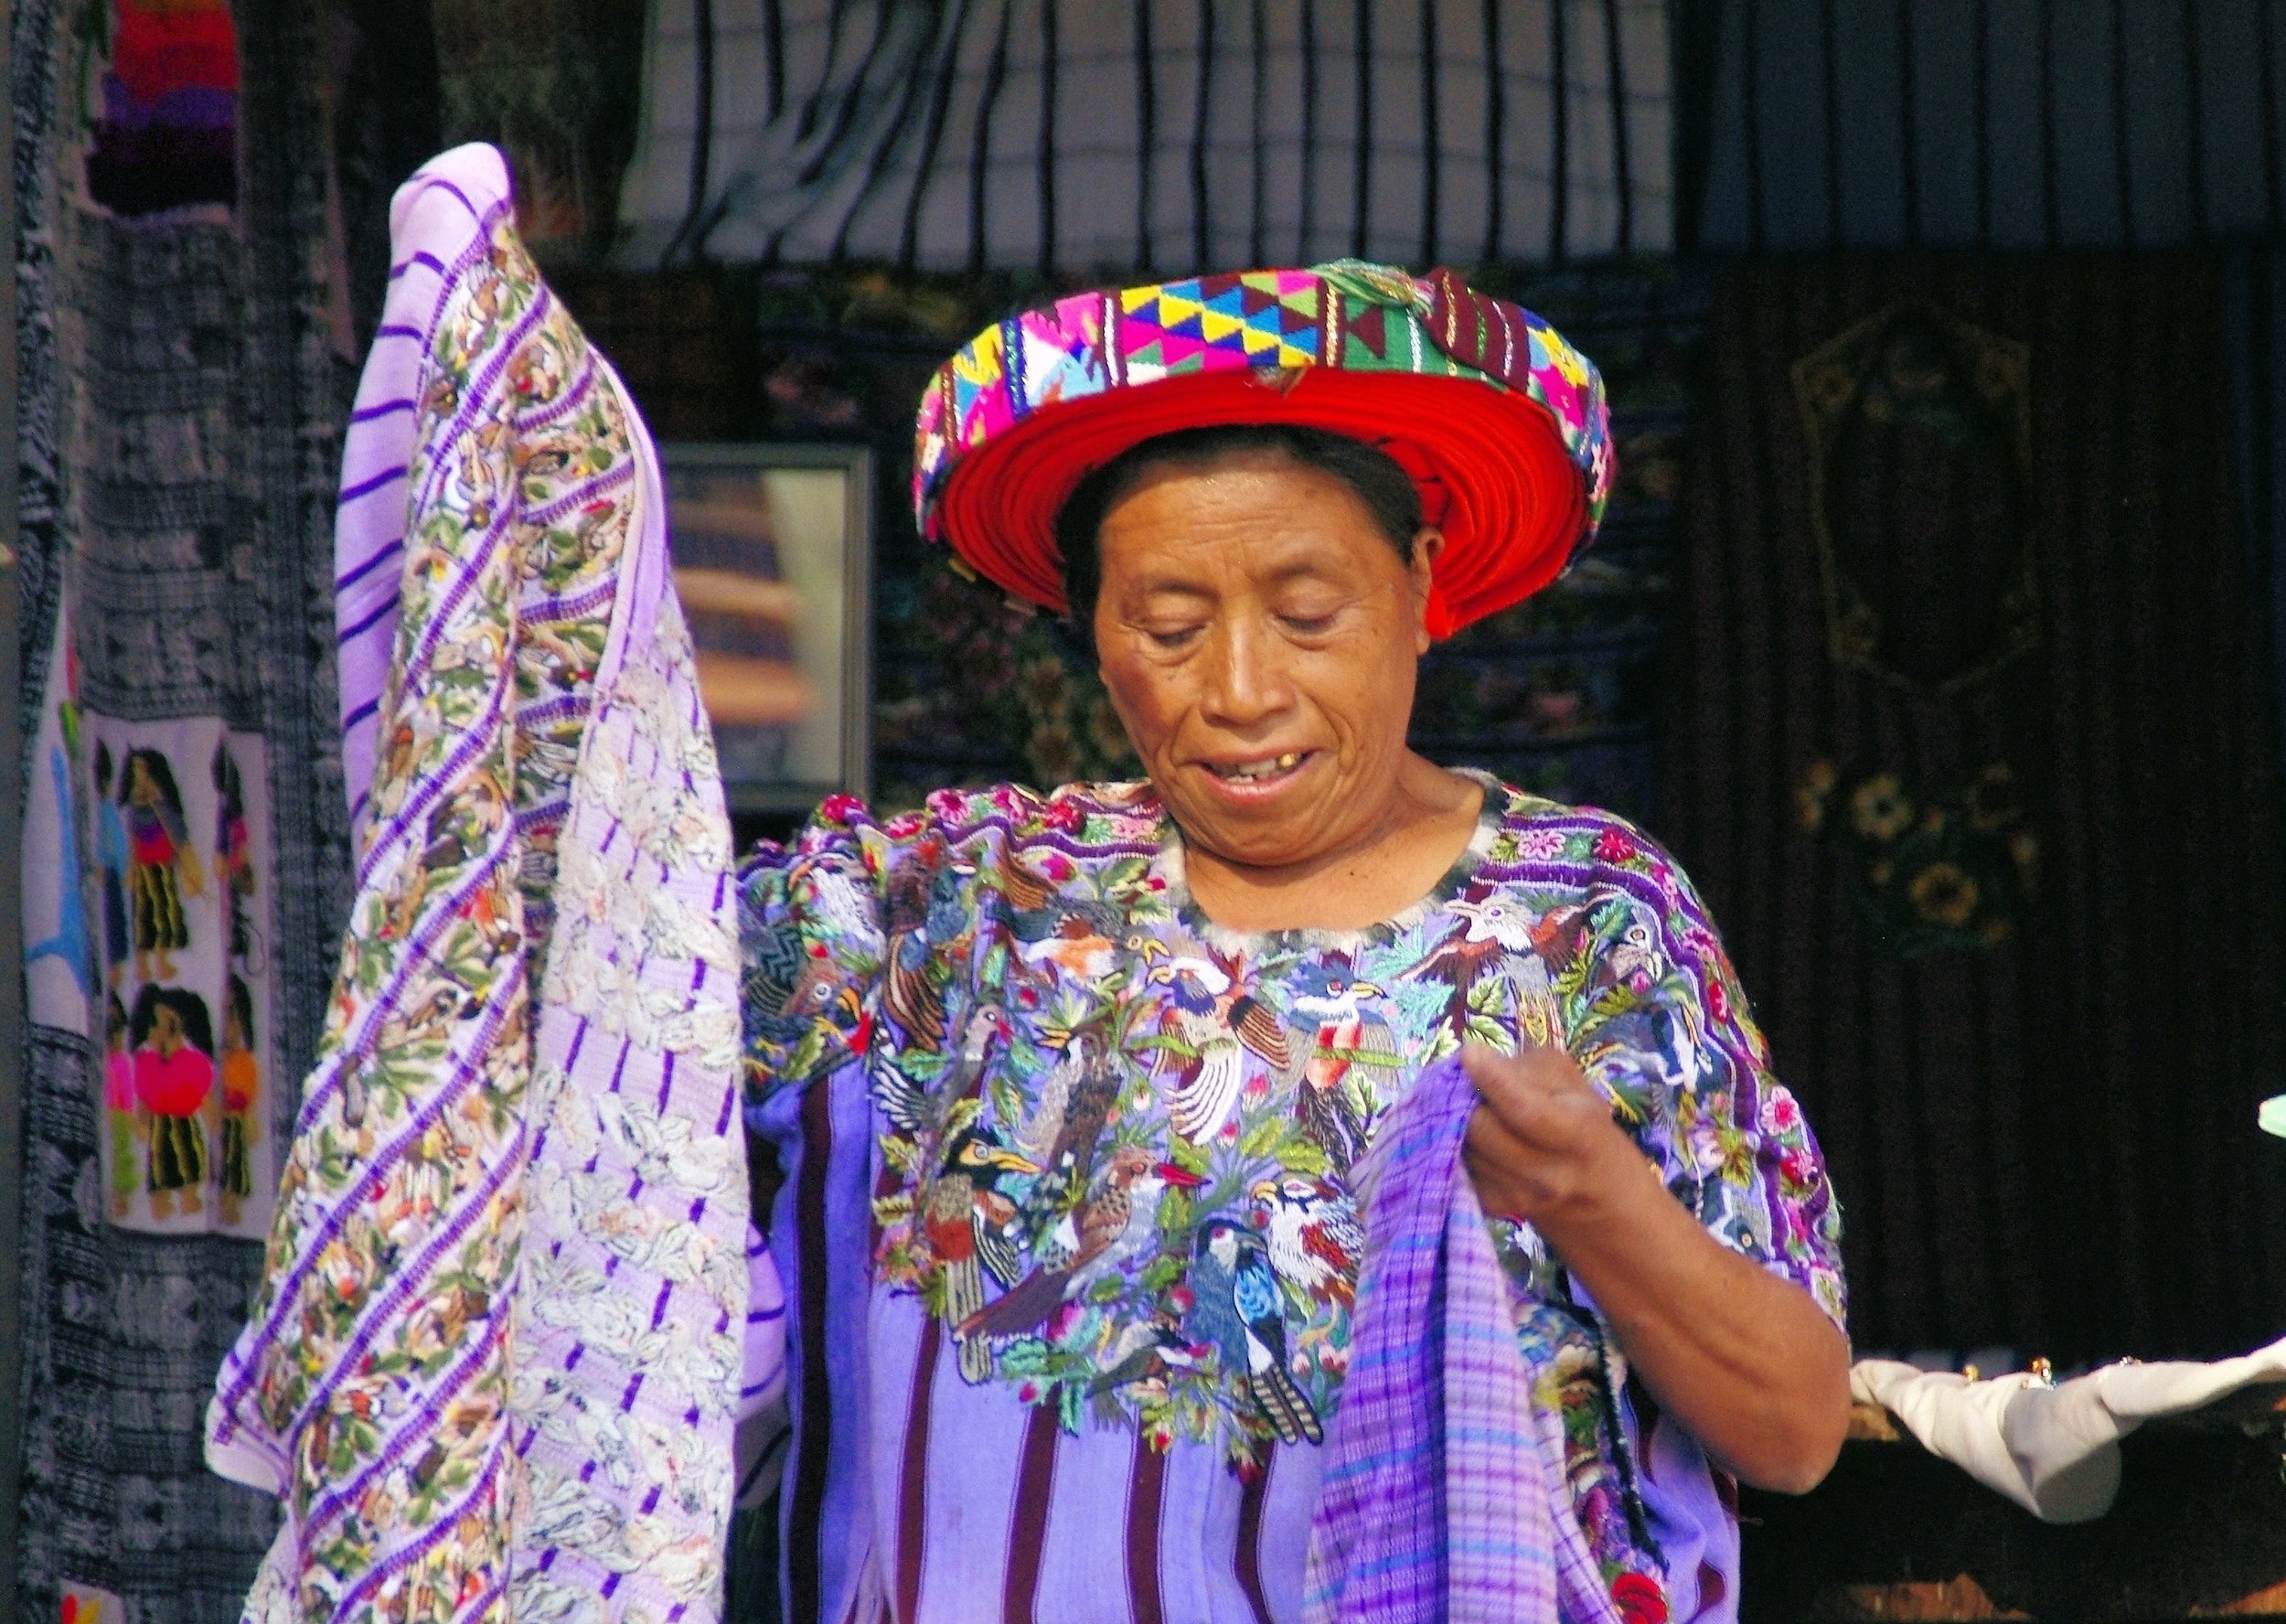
2053, 1450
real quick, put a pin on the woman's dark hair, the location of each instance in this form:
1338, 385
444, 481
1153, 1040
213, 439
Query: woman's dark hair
1387, 491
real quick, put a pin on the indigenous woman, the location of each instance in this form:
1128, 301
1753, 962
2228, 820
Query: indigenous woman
1070, 1088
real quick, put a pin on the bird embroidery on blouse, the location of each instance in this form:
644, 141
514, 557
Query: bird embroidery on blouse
1351, 1053
1218, 1025
1075, 1101
1315, 1239
1238, 1308
925, 918
1079, 938
965, 1215
1118, 1220
920, 1111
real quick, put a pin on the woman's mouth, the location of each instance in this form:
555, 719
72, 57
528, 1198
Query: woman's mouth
1261, 773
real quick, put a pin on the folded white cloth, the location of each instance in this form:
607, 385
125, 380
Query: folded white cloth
2055, 1450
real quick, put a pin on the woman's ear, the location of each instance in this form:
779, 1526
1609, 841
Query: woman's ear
1428, 545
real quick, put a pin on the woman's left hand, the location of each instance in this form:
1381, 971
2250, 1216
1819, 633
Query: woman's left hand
1545, 1149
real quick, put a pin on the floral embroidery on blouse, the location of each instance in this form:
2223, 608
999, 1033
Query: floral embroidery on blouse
1115, 1141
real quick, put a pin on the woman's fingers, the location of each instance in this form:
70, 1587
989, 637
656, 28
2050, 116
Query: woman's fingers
1526, 1090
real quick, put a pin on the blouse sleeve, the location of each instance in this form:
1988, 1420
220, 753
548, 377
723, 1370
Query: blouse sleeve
1656, 1017
810, 952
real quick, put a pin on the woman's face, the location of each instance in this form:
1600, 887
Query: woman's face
1258, 634
167, 1029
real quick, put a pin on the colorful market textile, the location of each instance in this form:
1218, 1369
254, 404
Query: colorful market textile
493, 1363
1069, 1232
1439, 1495
167, 136
1501, 424
178, 404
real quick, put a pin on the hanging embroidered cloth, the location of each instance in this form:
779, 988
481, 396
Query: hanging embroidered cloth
493, 1363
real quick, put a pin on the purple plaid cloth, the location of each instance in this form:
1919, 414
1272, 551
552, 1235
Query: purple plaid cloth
1443, 1496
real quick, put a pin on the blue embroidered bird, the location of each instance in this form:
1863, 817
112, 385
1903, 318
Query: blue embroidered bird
1238, 1308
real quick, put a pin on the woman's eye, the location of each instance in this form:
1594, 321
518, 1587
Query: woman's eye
1308, 626
1171, 636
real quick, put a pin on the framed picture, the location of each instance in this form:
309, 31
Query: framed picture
772, 547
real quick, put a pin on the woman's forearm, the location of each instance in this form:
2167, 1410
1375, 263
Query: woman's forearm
1744, 1360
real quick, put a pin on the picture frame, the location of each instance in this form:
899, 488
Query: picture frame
771, 546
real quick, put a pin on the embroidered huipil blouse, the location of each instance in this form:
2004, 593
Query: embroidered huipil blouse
1068, 1238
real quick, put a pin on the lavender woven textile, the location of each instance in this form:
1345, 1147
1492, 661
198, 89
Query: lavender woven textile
1442, 1499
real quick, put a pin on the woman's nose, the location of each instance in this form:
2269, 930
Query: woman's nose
1248, 685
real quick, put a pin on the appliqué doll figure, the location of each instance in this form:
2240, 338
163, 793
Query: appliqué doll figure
111, 850
162, 864
242, 1081
174, 1039
233, 856
119, 1106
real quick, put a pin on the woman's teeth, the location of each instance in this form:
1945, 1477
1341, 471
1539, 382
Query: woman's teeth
1248, 772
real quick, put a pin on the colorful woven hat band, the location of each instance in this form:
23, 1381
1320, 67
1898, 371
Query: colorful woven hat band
1501, 424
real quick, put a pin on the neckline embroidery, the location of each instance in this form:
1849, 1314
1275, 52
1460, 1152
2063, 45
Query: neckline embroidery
1170, 867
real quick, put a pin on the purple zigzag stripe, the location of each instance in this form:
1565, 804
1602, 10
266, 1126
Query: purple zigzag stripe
283, 1305
565, 404
581, 495
398, 1561
551, 812
434, 921
410, 1279
549, 610
542, 711
335, 1500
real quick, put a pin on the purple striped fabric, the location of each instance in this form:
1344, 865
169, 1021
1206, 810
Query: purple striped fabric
433, 209
1441, 1496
